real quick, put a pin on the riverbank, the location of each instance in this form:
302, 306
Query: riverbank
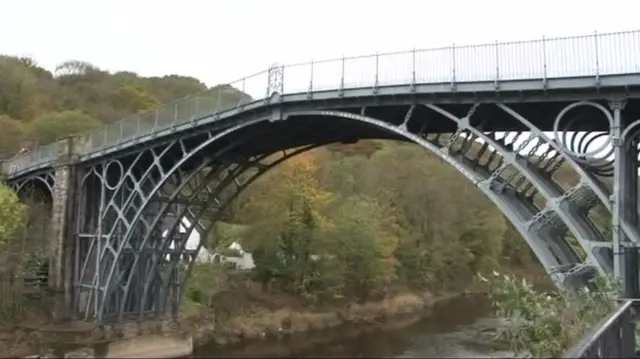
256, 323
248, 313
261, 322
456, 327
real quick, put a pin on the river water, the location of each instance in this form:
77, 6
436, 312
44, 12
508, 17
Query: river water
450, 329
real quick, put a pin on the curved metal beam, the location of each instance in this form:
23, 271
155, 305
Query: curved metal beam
515, 209
585, 177
132, 226
550, 191
47, 179
218, 213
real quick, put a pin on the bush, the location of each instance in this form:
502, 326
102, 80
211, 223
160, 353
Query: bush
12, 219
12, 214
547, 324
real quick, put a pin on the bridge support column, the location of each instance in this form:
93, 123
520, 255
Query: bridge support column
60, 242
624, 198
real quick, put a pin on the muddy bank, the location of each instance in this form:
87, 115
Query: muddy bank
456, 327
248, 313
282, 326
288, 345
391, 313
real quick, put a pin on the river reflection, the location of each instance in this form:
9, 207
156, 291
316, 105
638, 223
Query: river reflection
448, 330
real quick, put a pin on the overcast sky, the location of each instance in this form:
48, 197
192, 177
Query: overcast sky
221, 40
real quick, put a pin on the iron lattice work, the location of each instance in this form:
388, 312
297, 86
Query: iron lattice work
41, 183
137, 211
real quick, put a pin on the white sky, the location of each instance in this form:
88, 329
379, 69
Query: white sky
221, 40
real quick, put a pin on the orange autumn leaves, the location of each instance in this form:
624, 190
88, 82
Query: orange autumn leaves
286, 188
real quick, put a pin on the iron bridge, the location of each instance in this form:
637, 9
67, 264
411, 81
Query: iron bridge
516, 119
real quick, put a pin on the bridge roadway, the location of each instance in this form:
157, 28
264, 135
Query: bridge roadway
117, 193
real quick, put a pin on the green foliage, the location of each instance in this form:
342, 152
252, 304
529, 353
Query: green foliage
207, 279
364, 239
289, 213
51, 127
12, 135
18, 89
29, 92
12, 214
543, 324
370, 220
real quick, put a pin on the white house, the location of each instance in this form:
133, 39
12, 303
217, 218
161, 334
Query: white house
243, 262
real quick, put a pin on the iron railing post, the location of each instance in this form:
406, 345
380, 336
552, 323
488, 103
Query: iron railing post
544, 62
311, 78
341, 89
413, 69
453, 66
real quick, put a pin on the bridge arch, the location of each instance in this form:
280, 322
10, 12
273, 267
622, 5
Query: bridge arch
42, 183
514, 200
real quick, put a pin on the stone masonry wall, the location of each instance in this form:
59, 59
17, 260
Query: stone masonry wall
61, 198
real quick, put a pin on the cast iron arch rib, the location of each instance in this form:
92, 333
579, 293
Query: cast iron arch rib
558, 258
45, 180
122, 277
588, 236
543, 229
221, 204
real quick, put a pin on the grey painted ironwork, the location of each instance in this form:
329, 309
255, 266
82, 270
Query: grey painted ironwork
612, 337
42, 181
131, 243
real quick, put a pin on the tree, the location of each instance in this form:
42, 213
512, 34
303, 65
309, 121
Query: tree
285, 209
133, 98
12, 214
170, 88
75, 68
12, 136
363, 241
19, 97
53, 126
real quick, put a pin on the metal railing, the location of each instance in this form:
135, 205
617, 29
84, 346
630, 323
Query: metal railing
612, 337
592, 55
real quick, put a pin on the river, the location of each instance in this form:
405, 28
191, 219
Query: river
447, 330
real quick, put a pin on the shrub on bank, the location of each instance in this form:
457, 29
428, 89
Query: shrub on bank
545, 325
12, 213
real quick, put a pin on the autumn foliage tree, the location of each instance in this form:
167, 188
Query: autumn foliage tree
286, 213
39, 104
12, 135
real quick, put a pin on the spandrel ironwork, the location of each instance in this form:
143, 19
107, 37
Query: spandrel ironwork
136, 212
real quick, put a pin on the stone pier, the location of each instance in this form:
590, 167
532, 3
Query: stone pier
60, 243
